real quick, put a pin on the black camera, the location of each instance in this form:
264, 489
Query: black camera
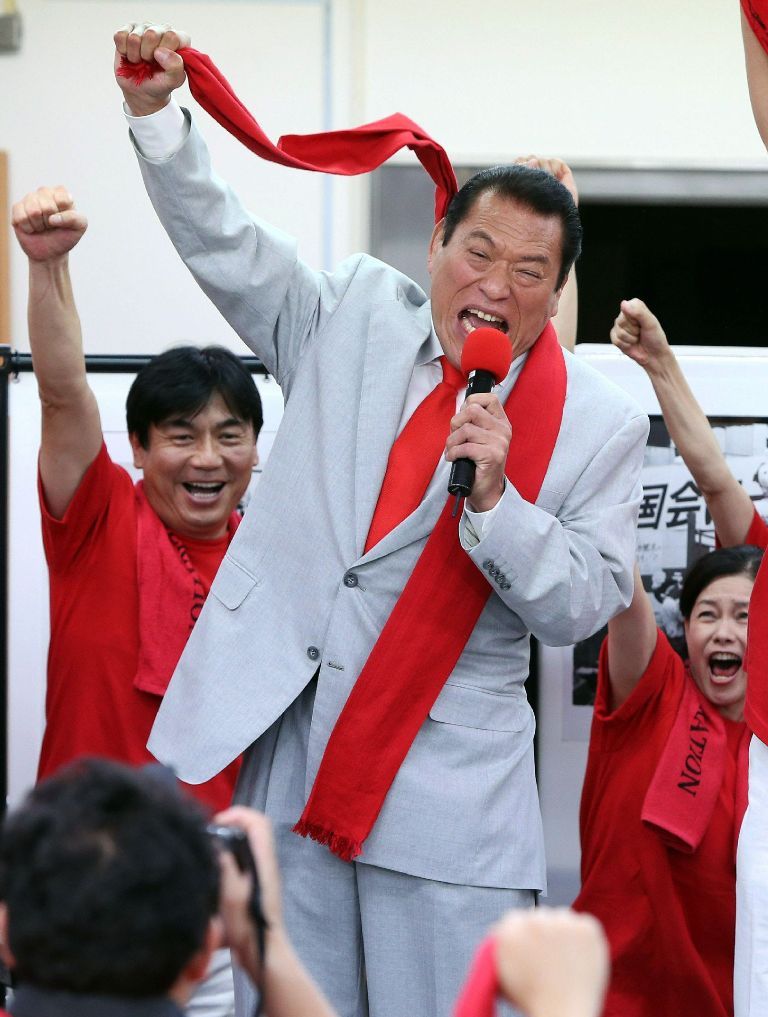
235, 840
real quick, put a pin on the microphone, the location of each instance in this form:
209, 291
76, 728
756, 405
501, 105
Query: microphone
485, 359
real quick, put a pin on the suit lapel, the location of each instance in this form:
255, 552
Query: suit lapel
395, 336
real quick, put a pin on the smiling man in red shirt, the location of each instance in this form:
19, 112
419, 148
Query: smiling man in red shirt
130, 565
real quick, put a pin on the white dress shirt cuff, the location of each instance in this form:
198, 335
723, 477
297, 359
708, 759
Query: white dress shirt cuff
475, 525
159, 135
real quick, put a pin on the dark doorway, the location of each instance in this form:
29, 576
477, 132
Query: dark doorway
703, 270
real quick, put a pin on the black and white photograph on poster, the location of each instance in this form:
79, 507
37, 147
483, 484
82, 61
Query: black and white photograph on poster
675, 529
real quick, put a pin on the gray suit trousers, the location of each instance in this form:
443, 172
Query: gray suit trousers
380, 943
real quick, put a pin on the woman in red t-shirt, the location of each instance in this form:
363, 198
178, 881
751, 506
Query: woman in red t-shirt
664, 793
638, 334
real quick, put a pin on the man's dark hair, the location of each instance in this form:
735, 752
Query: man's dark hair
183, 380
109, 879
534, 189
743, 560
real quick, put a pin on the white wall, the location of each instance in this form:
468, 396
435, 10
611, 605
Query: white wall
597, 80
61, 122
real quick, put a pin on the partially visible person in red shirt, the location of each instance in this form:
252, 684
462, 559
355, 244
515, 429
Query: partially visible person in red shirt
664, 793
638, 333
130, 565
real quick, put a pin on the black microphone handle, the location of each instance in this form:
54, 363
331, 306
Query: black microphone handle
463, 470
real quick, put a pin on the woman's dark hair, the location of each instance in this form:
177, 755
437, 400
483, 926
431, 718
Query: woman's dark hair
534, 189
182, 381
743, 560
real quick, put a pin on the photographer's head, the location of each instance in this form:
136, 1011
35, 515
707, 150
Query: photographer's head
109, 884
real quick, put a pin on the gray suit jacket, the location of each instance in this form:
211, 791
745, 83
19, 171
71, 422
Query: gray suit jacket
295, 590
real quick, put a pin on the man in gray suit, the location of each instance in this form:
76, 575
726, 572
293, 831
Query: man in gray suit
299, 602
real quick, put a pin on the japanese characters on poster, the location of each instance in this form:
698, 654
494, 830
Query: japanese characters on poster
674, 529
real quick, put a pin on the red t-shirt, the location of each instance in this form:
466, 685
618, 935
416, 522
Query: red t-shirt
756, 706
92, 705
669, 916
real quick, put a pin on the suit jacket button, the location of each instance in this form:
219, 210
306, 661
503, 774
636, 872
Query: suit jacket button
506, 585
488, 564
351, 580
313, 653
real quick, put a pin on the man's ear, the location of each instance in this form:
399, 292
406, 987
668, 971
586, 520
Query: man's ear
196, 968
5, 951
435, 242
139, 452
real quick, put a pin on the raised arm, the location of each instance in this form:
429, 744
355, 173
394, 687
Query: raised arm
48, 226
631, 642
638, 334
757, 77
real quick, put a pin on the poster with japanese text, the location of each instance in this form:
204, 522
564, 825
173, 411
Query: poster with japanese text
674, 528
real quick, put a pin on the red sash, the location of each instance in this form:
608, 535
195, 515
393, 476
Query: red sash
426, 632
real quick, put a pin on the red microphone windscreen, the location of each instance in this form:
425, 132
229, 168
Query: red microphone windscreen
487, 349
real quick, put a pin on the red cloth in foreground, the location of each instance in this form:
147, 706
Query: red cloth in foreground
756, 13
478, 994
345, 153
92, 705
669, 916
756, 707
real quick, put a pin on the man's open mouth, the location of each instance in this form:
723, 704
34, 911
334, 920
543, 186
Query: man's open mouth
472, 318
205, 491
724, 665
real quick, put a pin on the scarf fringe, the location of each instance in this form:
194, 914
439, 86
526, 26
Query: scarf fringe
343, 847
140, 72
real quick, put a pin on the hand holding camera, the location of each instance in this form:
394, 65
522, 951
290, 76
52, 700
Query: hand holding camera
250, 884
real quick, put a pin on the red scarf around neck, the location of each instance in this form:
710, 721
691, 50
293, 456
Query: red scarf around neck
686, 784
170, 595
438, 608
395, 691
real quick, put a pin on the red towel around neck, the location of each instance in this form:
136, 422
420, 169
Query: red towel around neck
684, 790
170, 596
345, 153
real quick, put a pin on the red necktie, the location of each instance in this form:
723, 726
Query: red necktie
415, 455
